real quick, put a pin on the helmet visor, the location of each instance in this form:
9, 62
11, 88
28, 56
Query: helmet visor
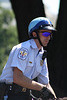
49, 28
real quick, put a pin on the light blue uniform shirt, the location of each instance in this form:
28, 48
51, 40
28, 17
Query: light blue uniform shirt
25, 57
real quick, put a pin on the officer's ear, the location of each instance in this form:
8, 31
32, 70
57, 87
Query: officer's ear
34, 34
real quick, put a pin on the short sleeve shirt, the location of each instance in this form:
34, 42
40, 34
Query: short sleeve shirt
25, 57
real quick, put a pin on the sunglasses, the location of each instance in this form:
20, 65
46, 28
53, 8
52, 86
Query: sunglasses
46, 34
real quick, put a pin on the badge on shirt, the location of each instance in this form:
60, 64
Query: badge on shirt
41, 62
23, 53
30, 62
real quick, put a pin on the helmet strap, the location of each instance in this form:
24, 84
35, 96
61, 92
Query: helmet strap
39, 39
44, 47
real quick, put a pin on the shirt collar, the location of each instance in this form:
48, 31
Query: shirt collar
33, 44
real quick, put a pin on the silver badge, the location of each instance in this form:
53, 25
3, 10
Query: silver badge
41, 62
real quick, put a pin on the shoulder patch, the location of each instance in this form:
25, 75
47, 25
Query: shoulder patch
23, 53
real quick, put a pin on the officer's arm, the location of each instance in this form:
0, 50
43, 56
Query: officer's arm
50, 88
24, 81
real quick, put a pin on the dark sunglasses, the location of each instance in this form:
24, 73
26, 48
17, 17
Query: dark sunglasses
46, 34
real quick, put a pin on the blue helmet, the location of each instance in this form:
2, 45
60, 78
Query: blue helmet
39, 24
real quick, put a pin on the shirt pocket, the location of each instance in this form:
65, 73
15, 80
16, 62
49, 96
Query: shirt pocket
29, 69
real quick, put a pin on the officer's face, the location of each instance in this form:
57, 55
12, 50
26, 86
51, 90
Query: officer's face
45, 36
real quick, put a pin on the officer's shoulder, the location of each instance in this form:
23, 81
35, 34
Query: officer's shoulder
25, 44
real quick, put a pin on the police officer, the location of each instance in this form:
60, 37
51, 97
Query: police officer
25, 62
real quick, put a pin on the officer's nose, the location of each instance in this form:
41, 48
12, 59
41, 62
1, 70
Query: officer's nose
48, 37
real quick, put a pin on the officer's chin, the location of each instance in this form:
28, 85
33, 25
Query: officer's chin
45, 45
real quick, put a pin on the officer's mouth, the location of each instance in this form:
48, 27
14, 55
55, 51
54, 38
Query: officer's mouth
46, 42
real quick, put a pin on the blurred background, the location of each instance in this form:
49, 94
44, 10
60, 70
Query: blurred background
14, 19
8, 31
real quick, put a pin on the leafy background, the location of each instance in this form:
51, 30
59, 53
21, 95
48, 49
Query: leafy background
8, 35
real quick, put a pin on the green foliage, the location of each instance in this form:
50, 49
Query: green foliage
8, 35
